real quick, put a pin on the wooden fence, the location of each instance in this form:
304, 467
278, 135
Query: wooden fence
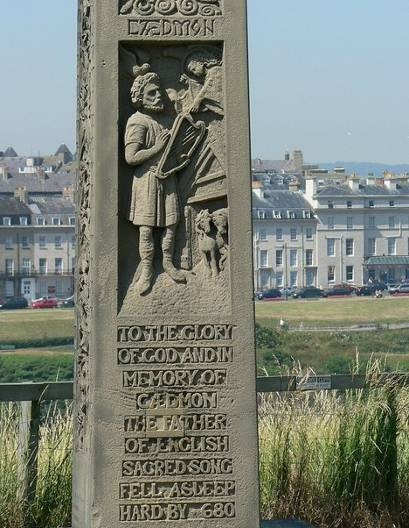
31, 395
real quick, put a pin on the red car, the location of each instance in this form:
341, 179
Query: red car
44, 302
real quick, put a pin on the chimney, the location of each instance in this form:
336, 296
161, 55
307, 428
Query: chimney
68, 193
21, 193
41, 174
294, 185
310, 186
257, 187
390, 181
287, 156
353, 182
4, 172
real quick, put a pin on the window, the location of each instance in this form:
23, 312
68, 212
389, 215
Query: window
350, 273
293, 233
279, 234
58, 265
9, 267
308, 257
57, 242
349, 247
349, 204
308, 233
56, 221
293, 258
26, 266
371, 203
263, 234
263, 258
391, 246
350, 222
73, 242
8, 242
391, 203
391, 275
392, 224
371, 221
43, 242
23, 220
261, 214
72, 220
42, 266
330, 222
330, 204
25, 242
371, 274
331, 247
40, 220
293, 278
331, 273
6, 220
279, 257
371, 246
279, 279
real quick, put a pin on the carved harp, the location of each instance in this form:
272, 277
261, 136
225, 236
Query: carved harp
185, 138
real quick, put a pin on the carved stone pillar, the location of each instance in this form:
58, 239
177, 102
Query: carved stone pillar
165, 399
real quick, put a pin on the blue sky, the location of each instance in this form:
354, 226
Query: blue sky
327, 76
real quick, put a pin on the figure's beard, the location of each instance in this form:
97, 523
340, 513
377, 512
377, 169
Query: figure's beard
151, 107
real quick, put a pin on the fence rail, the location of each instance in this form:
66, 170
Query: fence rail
31, 395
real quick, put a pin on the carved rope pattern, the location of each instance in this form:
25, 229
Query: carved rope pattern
83, 194
206, 8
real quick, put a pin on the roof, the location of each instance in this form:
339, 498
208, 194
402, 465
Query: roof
54, 183
364, 190
13, 206
281, 200
393, 260
10, 153
49, 206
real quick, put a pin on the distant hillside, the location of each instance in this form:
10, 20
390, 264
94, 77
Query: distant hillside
364, 167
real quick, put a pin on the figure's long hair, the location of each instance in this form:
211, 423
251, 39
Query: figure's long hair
143, 76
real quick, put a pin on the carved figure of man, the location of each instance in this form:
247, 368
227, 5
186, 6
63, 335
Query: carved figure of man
154, 201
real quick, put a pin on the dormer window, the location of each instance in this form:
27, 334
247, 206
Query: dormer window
40, 220
23, 220
371, 203
391, 203
330, 204
6, 220
349, 204
261, 214
56, 221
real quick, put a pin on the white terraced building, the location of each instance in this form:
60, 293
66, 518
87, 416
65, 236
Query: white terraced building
332, 233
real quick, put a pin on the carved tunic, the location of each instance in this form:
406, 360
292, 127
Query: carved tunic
154, 202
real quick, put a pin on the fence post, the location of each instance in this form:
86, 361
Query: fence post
28, 451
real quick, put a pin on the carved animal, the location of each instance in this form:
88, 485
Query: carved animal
220, 219
207, 245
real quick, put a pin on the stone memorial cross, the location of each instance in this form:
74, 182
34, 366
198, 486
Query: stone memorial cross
165, 398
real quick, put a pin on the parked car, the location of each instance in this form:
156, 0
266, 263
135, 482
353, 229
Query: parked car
402, 289
309, 292
267, 295
378, 285
66, 303
339, 290
45, 302
368, 289
287, 292
392, 287
346, 286
14, 303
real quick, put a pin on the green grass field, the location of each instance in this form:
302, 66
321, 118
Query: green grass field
334, 312
29, 325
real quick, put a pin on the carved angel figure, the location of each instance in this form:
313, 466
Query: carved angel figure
204, 79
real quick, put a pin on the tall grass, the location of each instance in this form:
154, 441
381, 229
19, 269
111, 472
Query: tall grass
336, 459
52, 505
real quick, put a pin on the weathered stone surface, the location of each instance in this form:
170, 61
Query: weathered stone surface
165, 395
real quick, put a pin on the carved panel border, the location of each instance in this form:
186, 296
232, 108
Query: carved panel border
204, 8
83, 201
